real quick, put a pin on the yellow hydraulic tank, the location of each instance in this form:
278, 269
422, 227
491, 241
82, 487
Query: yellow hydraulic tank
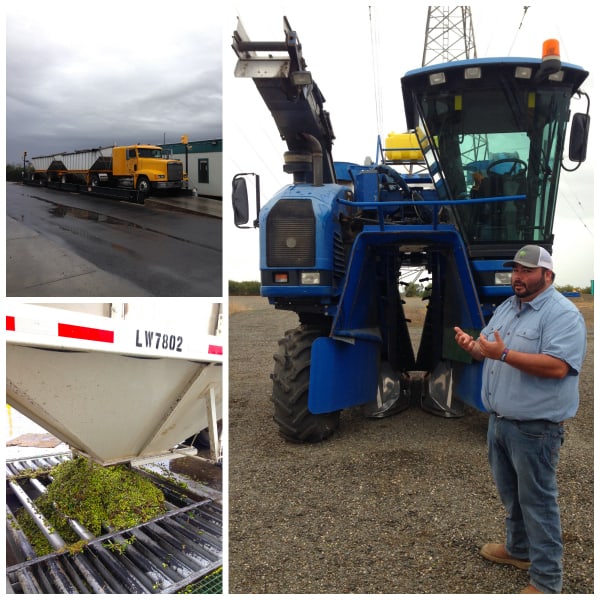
402, 147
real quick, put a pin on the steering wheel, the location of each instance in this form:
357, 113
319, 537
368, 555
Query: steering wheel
512, 171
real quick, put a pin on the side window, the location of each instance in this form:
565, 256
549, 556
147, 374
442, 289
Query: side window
130, 153
203, 170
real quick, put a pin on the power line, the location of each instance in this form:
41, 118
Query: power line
525, 9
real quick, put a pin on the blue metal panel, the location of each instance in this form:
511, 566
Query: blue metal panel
495, 291
320, 292
324, 200
490, 265
467, 385
351, 311
497, 63
342, 374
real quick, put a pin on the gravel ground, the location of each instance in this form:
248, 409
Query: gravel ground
396, 505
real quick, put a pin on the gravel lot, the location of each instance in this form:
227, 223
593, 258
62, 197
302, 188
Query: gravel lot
396, 505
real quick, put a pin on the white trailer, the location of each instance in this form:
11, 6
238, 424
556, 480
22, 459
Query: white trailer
118, 382
79, 160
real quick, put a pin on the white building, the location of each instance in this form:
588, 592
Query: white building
203, 161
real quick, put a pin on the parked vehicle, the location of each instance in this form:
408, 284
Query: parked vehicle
137, 167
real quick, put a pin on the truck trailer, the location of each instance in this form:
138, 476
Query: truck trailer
139, 167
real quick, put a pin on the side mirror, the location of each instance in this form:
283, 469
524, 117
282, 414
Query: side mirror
239, 198
580, 128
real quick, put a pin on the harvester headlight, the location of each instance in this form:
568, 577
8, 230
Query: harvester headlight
310, 278
301, 77
502, 278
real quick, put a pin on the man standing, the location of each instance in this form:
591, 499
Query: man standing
533, 349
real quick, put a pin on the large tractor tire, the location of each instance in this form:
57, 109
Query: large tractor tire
291, 377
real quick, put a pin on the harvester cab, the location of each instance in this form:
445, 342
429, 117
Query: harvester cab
484, 155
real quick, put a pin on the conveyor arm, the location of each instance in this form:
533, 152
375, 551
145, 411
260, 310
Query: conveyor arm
291, 95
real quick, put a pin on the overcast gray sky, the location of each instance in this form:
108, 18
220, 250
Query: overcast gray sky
81, 75
337, 42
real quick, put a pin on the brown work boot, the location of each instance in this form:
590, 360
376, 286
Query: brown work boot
530, 589
497, 553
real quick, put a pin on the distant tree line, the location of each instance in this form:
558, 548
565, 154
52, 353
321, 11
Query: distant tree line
14, 172
244, 288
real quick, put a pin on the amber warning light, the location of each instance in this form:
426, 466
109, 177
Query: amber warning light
551, 50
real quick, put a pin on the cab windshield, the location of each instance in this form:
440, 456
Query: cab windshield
493, 143
150, 152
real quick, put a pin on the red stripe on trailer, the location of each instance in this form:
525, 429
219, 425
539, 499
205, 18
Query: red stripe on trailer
86, 333
215, 349
10, 323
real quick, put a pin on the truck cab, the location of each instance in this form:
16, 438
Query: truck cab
145, 166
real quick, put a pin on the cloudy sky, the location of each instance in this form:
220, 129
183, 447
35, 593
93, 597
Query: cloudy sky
80, 76
368, 45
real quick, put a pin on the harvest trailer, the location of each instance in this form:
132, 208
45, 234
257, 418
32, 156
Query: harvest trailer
488, 135
141, 169
132, 384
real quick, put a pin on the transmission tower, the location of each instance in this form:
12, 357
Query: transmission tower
449, 35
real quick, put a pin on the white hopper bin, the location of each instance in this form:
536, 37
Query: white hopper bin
117, 382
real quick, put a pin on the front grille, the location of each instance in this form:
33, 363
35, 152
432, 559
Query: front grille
175, 171
171, 553
291, 234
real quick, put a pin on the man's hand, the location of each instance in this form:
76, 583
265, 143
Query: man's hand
491, 349
464, 340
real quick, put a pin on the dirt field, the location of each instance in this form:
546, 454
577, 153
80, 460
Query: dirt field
397, 505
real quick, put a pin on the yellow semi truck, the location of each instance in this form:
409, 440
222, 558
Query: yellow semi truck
140, 167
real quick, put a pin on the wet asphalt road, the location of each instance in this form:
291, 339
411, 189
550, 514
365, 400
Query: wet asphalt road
140, 250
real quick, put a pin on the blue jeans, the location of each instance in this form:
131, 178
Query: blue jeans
523, 456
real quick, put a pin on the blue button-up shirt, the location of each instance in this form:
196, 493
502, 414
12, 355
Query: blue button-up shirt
549, 324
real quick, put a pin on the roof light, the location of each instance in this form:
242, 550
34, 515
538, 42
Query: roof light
523, 73
437, 78
556, 76
473, 73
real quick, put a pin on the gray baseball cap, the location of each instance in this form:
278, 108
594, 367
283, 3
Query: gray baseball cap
532, 257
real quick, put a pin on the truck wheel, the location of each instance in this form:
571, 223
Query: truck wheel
143, 187
94, 180
291, 377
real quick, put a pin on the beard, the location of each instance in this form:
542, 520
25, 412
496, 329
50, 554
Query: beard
526, 289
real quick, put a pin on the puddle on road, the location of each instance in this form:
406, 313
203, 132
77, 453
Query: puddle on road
59, 210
